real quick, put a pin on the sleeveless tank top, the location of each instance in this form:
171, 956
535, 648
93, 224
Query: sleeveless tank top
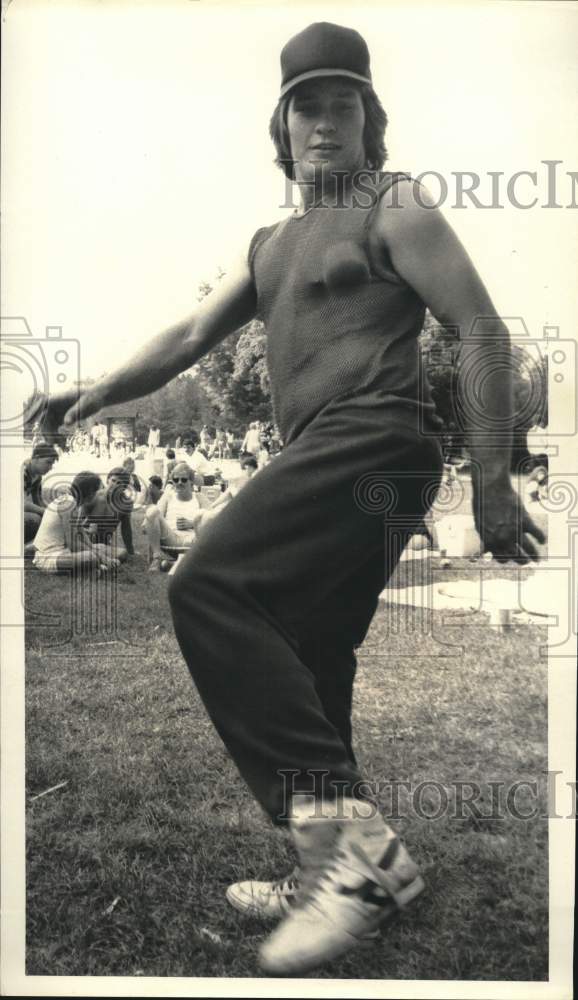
339, 320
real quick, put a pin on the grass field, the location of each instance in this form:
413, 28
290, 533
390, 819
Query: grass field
128, 861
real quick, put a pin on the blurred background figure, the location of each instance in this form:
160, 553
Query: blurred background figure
33, 471
154, 439
250, 442
169, 462
205, 441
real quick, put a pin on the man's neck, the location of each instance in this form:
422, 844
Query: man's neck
334, 189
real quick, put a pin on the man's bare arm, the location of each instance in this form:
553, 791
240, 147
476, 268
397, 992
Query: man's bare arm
426, 252
33, 508
228, 307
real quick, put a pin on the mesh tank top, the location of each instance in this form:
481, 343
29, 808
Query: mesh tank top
339, 320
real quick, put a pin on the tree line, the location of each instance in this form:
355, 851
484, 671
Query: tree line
230, 387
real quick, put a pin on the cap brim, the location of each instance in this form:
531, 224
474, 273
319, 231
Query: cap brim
312, 74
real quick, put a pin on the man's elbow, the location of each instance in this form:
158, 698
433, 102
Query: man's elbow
485, 328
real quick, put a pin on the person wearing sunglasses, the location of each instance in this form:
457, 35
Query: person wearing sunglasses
171, 524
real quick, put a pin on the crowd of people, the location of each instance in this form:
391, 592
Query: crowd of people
261, 439
88, 522
271, 603
91, 523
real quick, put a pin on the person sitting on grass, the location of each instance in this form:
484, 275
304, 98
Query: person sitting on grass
43, 458
111, 513
204, 471
169, 462
134, 482
61, 542
154, 490
249, 467
172, 523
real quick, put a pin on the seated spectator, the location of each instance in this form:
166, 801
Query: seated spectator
134, 485
154, 490
61, 542
43, 458
169, 462
111, 514
171, 524
248, 464
204, 470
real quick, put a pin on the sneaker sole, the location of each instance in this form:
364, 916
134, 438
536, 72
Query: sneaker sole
249, 910
404, 897
252, 909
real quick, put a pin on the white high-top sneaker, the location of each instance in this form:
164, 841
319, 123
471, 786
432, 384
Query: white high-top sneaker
365, 876
267, 900
273, 900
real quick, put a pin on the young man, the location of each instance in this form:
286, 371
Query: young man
249, 466
40, 463
172, 522
272, 600
62, 543
199, 464
154, 490
110, 522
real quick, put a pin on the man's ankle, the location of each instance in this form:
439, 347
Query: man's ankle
307, 807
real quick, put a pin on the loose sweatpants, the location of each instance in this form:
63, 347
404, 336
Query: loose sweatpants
270, 603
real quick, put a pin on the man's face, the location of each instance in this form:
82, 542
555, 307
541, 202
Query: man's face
44, 464
154, 492
182, 482
326, 119
90, 501
189, 449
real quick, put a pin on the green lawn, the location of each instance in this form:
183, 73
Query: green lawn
129, 860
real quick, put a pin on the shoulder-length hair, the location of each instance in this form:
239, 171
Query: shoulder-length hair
373, 133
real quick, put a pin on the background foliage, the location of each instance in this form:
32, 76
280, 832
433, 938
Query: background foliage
230, 387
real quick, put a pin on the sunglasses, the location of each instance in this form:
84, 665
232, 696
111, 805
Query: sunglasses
181, 479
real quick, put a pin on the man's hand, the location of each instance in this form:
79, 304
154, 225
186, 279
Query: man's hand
106, 556
504, 525
33, 508
63, 409
185, 524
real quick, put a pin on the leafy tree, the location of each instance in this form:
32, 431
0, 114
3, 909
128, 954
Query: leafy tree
234, 374
439, 348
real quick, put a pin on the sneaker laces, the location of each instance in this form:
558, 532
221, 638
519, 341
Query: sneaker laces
287, 883
319, 882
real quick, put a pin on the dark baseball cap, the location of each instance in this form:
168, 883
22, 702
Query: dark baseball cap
324, 49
